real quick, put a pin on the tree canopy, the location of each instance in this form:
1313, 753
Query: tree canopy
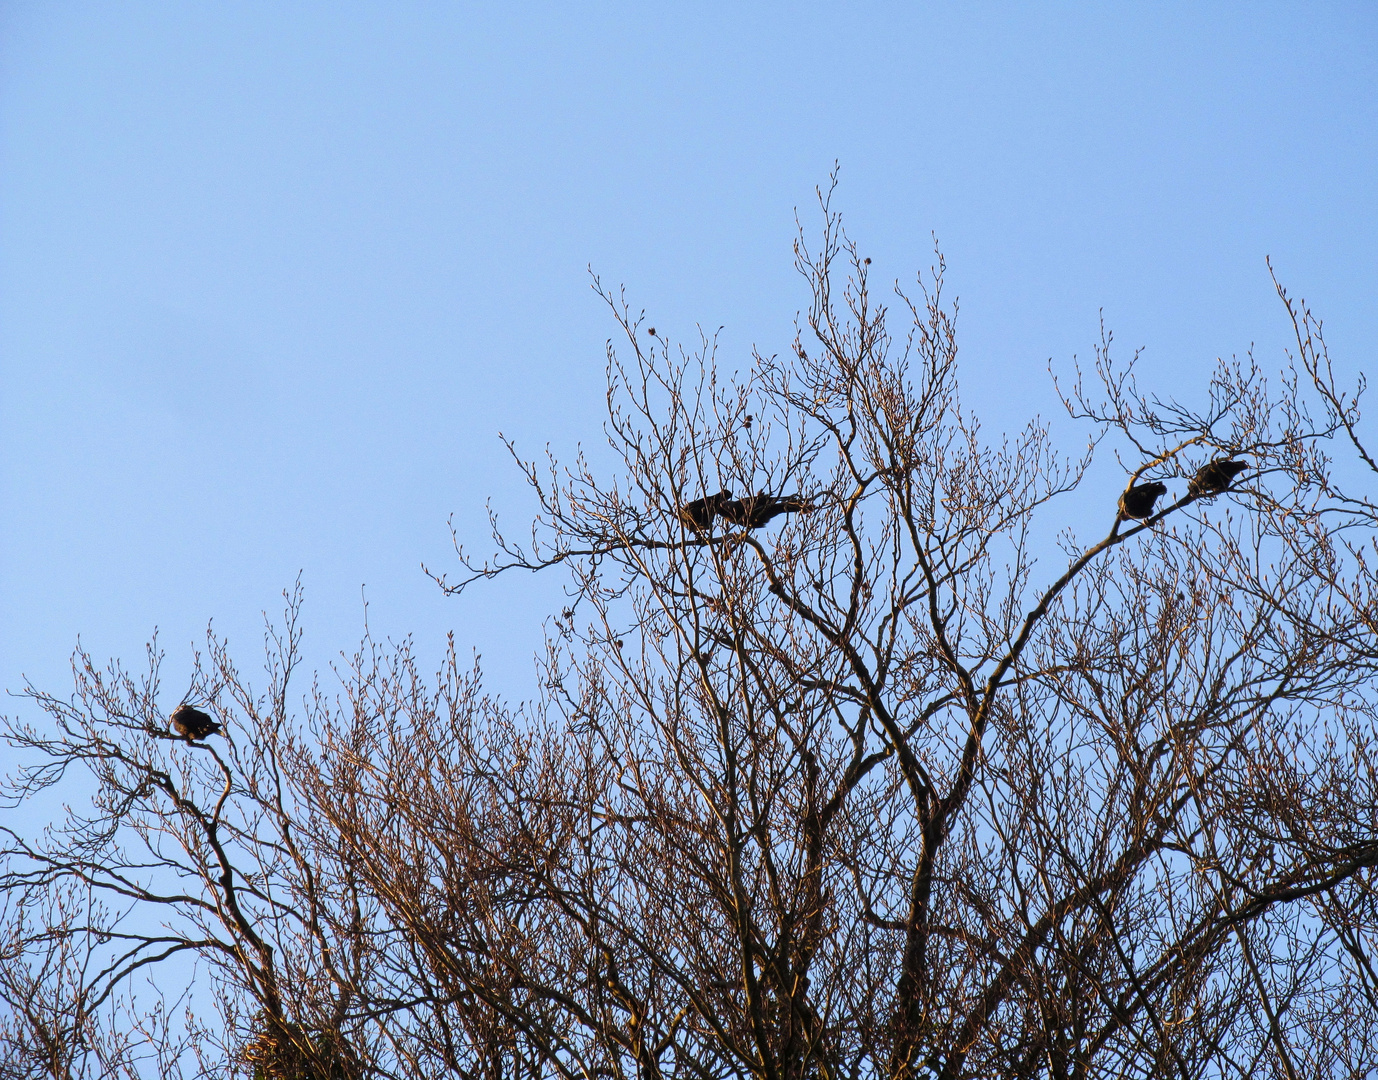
867, 777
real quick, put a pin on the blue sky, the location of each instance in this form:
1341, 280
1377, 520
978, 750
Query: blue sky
273, 277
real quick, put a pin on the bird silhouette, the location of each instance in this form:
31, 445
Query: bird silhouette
1137, 501
1216, 477
757, 510
192, 723
699, 513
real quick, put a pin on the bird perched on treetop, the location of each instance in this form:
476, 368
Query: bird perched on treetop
192, 723
1137, 501
699, 513
1216, 477
756, 510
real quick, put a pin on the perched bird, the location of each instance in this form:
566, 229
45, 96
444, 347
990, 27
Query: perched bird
1216, 477
756, 510
1137, 501
192, 723
699, 513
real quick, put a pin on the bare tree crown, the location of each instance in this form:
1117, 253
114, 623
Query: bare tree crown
835, 770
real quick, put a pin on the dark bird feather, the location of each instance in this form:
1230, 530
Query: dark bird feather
1216, 477
759, 509
192, 723
1137, 501
699, 513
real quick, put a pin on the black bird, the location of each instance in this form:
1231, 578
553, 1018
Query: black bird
192, 723
1216, 477
1137, 502
699, 513
756, 510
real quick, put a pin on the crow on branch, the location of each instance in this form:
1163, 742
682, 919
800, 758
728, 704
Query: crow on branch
192, 723
1137, 501
1216, 477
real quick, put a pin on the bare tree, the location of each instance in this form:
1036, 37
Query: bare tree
857, 774
187, 852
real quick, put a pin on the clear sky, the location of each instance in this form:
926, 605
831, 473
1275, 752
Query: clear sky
274, 276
